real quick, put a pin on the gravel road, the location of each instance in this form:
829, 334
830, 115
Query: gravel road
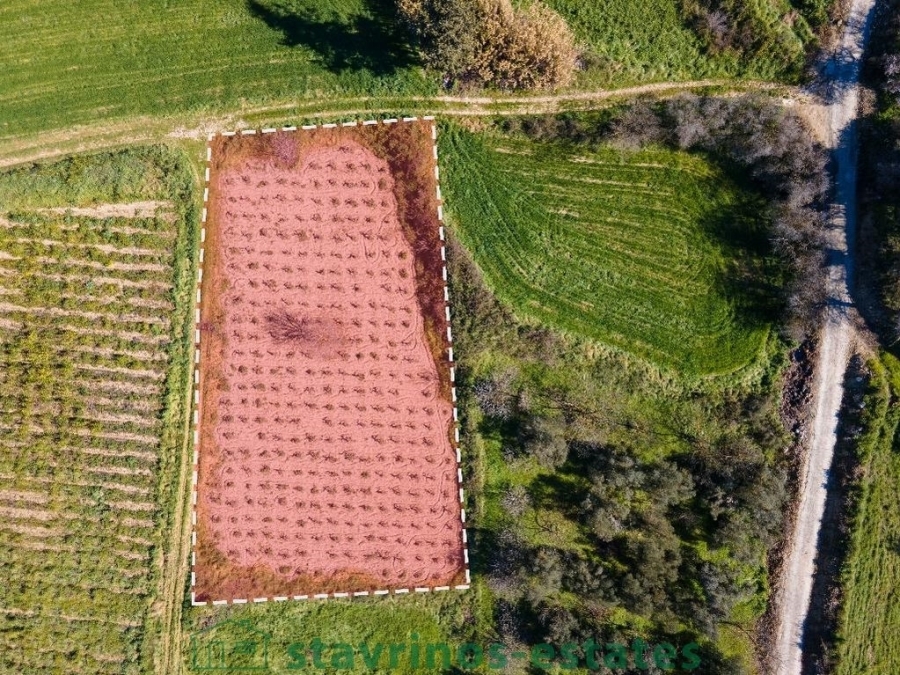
842, 76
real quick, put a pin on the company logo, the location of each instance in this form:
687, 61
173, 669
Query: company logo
237, 646
232, 645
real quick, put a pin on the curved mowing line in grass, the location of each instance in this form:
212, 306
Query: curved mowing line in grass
636, 269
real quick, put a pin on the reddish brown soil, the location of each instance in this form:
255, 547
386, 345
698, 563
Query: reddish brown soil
326, 458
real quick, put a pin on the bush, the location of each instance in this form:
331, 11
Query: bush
515, 501
544, 439
495, 395
488, 42
447, 31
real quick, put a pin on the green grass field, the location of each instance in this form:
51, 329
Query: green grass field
67, 64
870, 618
100, 60
636, 250
94, 316
448, 617
649, 40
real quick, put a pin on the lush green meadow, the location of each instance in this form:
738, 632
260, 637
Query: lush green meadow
633, 249
70, 64
73, 64
94, 331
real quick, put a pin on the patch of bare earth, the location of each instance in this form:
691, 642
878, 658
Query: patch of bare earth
143, 209
326, 460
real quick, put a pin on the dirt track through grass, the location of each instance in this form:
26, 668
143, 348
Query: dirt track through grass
28, 147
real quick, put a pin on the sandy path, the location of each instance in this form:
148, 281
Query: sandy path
796, 584
144, 209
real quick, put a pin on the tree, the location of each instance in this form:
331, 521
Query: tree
448, 32
495, 394
488, 42
544, 439
639, 125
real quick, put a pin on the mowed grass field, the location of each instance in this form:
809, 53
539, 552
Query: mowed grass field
870, 620
70, 64
99, 61
94, 320
634, 249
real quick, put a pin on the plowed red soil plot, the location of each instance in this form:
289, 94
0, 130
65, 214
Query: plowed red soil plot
327, 456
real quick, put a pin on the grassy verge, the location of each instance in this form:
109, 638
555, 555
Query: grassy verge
290, 627
866, 641
654, 40
105, 135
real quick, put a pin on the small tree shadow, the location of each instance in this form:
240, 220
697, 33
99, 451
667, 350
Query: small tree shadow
373, 39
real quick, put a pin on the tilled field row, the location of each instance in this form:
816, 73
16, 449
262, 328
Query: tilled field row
327, 459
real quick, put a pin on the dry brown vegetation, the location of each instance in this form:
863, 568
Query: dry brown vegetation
490, 43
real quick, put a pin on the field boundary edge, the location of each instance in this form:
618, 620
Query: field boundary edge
196, 380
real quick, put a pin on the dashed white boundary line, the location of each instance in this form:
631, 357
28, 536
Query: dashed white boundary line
451, 373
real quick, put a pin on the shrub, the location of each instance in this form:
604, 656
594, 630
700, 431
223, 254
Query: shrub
530, 49
544, 439
488, 42
495, 395
448, 32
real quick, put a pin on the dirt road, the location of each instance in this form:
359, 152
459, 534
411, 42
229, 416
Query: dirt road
105, 134
842, 75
